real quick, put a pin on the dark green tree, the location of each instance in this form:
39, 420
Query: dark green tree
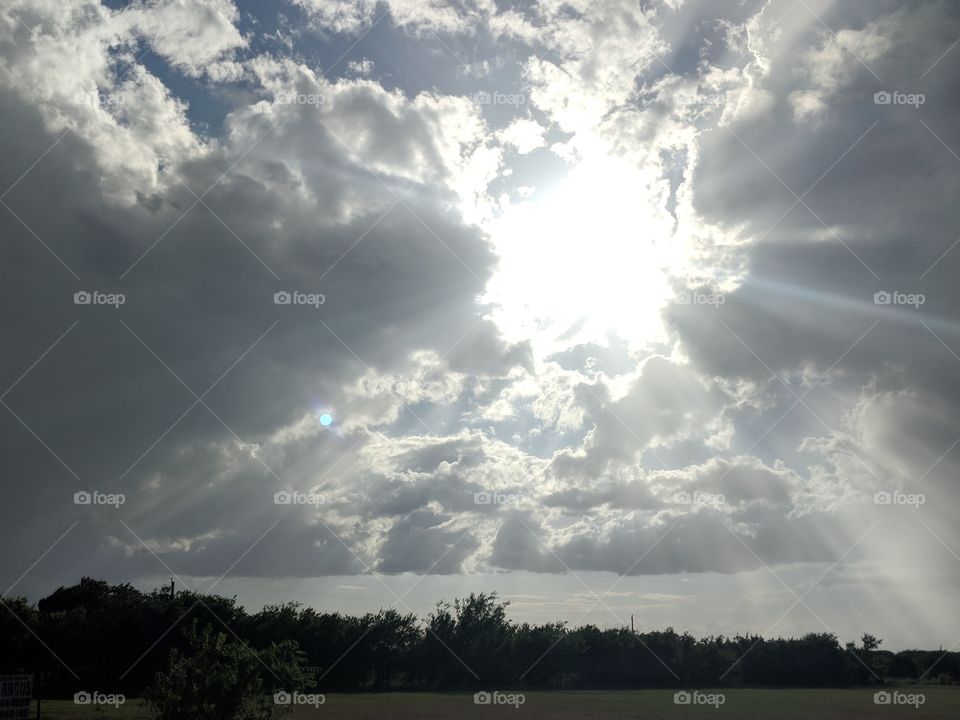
217, 678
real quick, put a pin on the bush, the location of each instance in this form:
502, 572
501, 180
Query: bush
216, 678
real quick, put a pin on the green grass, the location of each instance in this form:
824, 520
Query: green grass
942, 703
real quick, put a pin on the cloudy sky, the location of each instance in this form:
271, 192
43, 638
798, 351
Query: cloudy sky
616, 307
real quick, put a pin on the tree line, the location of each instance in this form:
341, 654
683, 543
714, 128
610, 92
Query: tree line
95, 635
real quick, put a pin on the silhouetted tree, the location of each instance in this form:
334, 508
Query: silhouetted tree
104, 632
902, 667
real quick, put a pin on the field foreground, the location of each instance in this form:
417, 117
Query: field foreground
939, 703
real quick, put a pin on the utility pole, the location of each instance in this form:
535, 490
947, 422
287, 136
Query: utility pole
172, 590
631, 625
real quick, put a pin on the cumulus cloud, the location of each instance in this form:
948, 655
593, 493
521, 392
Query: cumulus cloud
696, 352
352, 16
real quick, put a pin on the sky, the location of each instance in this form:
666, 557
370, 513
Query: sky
616, 308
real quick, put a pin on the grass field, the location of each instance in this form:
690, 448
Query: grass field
941, 703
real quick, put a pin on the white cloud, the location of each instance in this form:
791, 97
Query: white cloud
190, 34
418, 16
524, 135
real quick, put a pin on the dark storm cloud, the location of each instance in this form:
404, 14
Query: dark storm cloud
700, 541
204, 304
198, 398
880, 185
880, 215
419, 543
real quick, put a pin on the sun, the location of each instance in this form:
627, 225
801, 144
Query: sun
588, 258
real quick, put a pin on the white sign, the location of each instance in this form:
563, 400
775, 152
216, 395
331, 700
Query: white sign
15, 694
